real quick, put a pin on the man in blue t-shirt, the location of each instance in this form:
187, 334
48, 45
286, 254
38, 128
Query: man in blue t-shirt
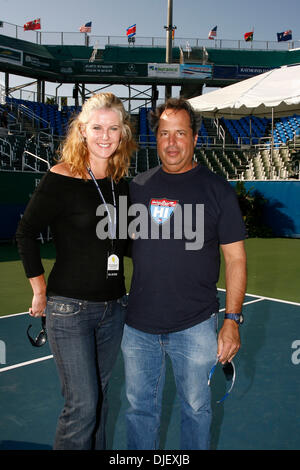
186, 213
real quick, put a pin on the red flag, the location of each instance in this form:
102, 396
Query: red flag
32, 25
131, 31
249, 36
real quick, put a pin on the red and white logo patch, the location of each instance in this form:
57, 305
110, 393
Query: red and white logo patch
162, 209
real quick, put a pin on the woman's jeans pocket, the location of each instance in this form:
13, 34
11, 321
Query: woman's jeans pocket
63, 307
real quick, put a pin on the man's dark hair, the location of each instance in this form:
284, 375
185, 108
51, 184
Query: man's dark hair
177, 104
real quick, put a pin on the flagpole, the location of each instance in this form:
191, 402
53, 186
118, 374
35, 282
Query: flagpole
169, 28
169, 32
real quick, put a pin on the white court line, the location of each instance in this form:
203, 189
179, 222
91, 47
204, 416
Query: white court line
13, 315
259, 297
27, 363
22, 364
262, 297
253, 301
246, 303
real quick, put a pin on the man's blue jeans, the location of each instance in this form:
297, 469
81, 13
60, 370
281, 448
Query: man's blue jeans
85, 340
192, 352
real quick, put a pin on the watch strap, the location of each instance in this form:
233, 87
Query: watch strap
237, 317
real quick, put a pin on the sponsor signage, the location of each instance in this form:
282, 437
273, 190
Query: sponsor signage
247, 71
10, 55
101, 69
164, 70
131, 70
195, 71
37, 62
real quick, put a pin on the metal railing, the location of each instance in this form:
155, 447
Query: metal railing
77, 38
33, 168
4, 143
25, 111
221, 134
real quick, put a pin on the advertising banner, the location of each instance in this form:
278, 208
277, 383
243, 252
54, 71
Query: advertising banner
101, 69
249, 71
164, 70
11, 55
37, 62
197, 71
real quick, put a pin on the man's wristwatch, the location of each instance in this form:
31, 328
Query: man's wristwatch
237, 317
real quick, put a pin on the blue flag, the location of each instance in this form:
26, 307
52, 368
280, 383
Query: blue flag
285, 36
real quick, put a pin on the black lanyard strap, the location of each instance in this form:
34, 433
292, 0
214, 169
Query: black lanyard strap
112, 225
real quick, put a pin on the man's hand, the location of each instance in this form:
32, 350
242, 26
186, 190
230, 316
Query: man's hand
236, 276
228, 341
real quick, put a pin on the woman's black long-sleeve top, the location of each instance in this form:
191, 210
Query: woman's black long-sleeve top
68, 206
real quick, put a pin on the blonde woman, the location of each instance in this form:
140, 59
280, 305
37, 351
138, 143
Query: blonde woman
84, 299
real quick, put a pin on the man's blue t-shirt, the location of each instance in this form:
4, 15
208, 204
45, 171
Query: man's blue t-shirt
175, 251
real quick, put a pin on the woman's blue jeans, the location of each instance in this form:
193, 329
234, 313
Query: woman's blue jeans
192, 352
85, 340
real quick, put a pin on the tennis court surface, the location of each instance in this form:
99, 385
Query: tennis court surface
262, 411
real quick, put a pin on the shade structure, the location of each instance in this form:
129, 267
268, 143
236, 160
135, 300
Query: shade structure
274, 93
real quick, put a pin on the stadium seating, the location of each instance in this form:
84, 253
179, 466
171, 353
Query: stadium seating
231, 159
246, 130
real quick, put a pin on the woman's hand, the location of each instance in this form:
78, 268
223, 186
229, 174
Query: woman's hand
39, 302
39, 299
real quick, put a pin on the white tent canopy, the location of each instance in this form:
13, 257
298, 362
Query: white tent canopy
275, 93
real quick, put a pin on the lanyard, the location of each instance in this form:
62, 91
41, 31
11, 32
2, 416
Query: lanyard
112, 225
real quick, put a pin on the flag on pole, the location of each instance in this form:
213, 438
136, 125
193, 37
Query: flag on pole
249, 36
86, 28
131, 31
32, 25
285, 36
213, 33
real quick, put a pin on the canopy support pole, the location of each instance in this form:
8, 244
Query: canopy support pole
272, 140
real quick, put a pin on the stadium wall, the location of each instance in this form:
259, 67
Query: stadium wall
282, 209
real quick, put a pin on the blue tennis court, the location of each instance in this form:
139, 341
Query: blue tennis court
262, 411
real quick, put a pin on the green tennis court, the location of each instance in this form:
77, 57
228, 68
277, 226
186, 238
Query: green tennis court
263, 409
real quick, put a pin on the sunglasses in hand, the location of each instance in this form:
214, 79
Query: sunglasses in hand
41, 338
229, 373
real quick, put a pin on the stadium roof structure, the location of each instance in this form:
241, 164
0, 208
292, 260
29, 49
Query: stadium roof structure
138, 64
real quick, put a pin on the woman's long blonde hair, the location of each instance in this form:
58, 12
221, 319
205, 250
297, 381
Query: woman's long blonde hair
74, 149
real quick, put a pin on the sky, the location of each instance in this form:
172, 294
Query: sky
192, 18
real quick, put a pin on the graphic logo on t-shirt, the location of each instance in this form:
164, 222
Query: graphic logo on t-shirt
162, 209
